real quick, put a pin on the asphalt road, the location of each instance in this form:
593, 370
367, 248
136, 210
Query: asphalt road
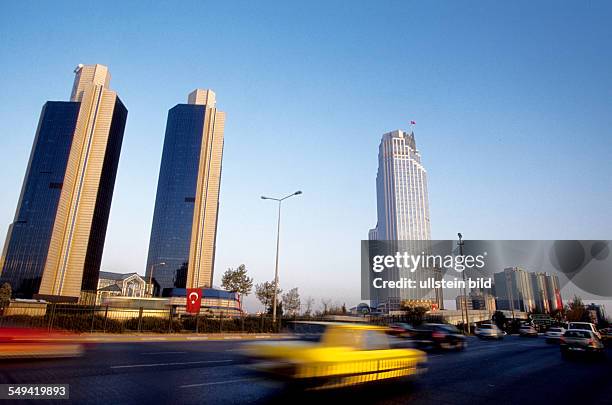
514, 371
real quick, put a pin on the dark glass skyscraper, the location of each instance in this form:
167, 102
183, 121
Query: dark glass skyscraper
54, 247
181, 248
27, 243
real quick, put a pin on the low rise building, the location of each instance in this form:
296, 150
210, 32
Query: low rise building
120, 285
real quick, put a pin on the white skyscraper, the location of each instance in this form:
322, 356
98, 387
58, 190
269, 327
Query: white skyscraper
401, 189
403, 213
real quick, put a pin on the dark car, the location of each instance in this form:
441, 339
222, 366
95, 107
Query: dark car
400, 329
438, 336
579, 341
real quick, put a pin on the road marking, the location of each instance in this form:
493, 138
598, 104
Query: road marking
153, 353
216, 383
172, 364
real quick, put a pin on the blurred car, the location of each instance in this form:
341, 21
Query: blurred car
438, 336
580, 341
400, 330
347, 354
606, 335
553, 335
528, 331
488, 331
21, 343
584, 326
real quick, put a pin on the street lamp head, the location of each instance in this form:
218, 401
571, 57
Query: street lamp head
264, 198
297, 192
459, 235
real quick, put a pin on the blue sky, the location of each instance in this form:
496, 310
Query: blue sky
513, 104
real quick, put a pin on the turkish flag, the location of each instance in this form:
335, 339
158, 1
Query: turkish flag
194, 300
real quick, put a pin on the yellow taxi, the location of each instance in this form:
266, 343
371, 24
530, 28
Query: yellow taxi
346, 354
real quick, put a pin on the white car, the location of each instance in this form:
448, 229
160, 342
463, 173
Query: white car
528, 330
584, 326
553, 335
488, 331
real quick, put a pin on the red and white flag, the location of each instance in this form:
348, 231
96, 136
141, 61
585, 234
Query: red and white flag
194, 300
412, 122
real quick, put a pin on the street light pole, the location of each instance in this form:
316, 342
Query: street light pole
279, 200
151, 274
274, 299
466, 327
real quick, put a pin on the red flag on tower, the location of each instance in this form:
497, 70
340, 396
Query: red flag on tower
412, 122
194, 300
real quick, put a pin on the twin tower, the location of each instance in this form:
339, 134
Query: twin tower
54, 246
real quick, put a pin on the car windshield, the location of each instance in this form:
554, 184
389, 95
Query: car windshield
577, 334
584, 326
374, 340
486, 326
449, 328
555, 329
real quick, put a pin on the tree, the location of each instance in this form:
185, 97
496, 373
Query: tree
557, 314
265, 294
291, 302
414, 311
5, 295
236, 280
326, 302
575, 311
309, 305
500, 319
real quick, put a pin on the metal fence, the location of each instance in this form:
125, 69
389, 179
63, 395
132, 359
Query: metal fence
116, 319
410, 319
107, 319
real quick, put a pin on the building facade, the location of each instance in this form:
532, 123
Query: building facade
120, 285
480, 301
54, 246
183, 234
513, 289
533, 292
461, 301
402, 215
553, 293
401, 190
215, 302
540, 293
